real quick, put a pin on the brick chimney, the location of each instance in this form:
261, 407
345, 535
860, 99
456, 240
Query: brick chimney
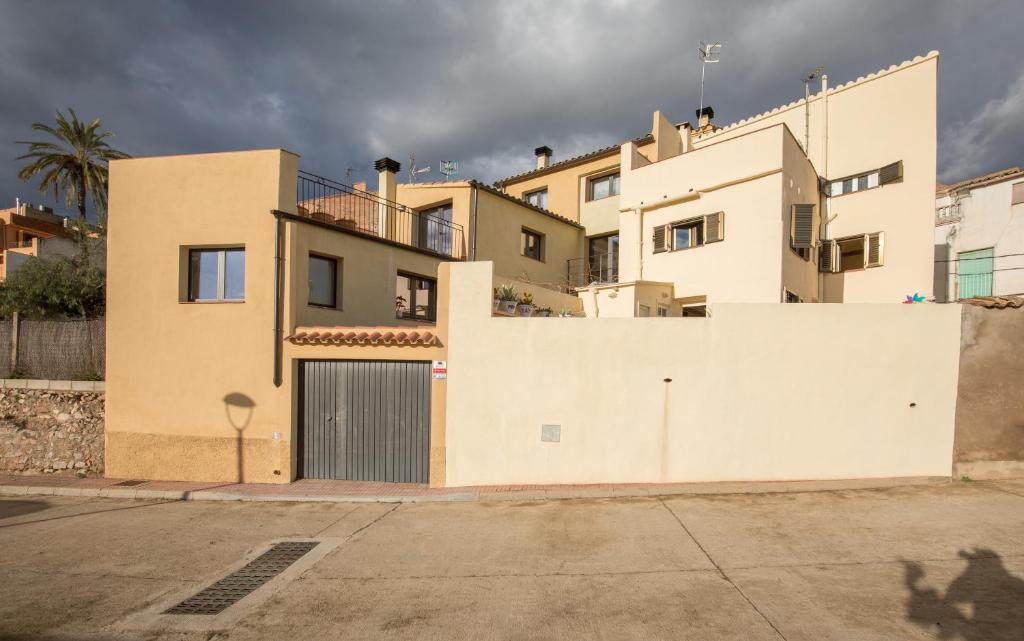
543, 156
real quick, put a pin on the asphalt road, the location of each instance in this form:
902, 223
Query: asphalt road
929, 562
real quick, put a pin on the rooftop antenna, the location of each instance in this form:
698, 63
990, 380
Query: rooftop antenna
709, 54
809, 77
414, 170
449, 168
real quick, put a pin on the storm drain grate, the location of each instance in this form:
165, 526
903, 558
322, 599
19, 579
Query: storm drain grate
128, 483
232, 588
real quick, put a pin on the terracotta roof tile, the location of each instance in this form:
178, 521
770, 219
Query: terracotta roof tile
980, 181
995, 302
415, 335
561, 164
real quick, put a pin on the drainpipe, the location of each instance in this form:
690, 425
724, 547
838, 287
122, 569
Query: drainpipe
472, 222
824, 166
278, 295
640, 241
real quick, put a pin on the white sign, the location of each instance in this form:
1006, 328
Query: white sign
439, 370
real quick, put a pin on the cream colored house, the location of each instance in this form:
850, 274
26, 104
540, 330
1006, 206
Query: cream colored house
822, 200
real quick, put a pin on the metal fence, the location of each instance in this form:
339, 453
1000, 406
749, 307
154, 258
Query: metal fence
597, 269
344, 206
53, 349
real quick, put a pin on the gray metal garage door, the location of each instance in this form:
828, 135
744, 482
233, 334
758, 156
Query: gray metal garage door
365, 420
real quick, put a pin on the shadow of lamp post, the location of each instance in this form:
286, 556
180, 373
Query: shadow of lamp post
238, 408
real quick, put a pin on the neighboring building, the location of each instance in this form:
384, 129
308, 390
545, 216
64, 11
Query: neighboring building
222, 266
861, 236
27, 230
979, 236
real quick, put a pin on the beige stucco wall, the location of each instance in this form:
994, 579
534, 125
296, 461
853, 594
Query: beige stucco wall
624, 300
171, 364
873, 121
738, 407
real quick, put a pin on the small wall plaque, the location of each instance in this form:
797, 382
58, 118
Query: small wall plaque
551, 433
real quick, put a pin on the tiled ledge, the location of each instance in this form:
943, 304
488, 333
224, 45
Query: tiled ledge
56, 386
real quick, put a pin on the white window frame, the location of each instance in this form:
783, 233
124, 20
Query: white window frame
193, 296
538, 194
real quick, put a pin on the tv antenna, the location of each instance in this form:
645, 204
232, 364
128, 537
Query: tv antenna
449, 168
708, 54
414, 170
809, 77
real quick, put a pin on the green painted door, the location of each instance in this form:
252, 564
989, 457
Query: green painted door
976, 273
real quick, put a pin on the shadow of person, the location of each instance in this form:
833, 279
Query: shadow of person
984, 603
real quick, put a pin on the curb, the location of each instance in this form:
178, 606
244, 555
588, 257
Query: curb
554, 494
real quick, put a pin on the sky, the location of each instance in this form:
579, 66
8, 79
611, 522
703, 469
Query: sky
484, 83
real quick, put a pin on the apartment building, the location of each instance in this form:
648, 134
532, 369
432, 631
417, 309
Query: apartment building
838, 211
979, 236
28, 230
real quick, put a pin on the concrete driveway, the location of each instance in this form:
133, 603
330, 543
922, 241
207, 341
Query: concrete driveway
930, 562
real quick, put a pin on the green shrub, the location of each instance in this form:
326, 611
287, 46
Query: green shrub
55, 287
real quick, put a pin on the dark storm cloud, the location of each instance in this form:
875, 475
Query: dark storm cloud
485, 83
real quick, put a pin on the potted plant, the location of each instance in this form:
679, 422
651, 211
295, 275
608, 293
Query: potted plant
543, 312
508, 299
525, 306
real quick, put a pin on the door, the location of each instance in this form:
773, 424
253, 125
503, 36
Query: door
365, 420
975, 273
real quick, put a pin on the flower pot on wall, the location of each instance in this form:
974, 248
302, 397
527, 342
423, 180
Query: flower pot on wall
497, 303
524, 310
507, 306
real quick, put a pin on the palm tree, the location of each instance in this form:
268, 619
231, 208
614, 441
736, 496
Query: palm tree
74, 164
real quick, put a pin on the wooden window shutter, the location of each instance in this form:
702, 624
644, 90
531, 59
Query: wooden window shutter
891, 173
827, 257
660, 239
873, 252
801, 230
714, 227
1018, 194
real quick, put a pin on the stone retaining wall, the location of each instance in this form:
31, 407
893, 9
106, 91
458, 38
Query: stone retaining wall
51, 431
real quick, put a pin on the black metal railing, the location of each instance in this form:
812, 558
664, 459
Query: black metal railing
596, 270
326, 201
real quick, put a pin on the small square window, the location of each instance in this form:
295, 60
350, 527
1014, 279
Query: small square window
323, 281
688, 235
603, 187
416, 297
532, 245
538, 198
216, 274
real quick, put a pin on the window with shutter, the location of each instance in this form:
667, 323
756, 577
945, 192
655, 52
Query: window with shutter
801, 231
660, 235
890, 173
876, 243
827, 256
714, 227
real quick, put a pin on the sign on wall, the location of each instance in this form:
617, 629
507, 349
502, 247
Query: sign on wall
439, 370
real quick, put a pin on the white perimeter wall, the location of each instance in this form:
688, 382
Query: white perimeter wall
758, 392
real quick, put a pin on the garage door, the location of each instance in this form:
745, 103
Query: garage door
365, 420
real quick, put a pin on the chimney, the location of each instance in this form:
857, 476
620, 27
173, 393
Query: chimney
704, 117
387, 178
359, 185
543, 156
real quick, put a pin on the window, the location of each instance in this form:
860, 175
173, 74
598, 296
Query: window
603, 258
603, 187
790, 297
801, 230
695, 311
537, 198
692, 232
662, 310
643, 311
216, 274
869, 180
532, 244
323, 281
1018, 194
852, 253
435, 229
416, 297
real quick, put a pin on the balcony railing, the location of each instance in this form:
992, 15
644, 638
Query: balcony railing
599, 269
947, 214
344, 206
